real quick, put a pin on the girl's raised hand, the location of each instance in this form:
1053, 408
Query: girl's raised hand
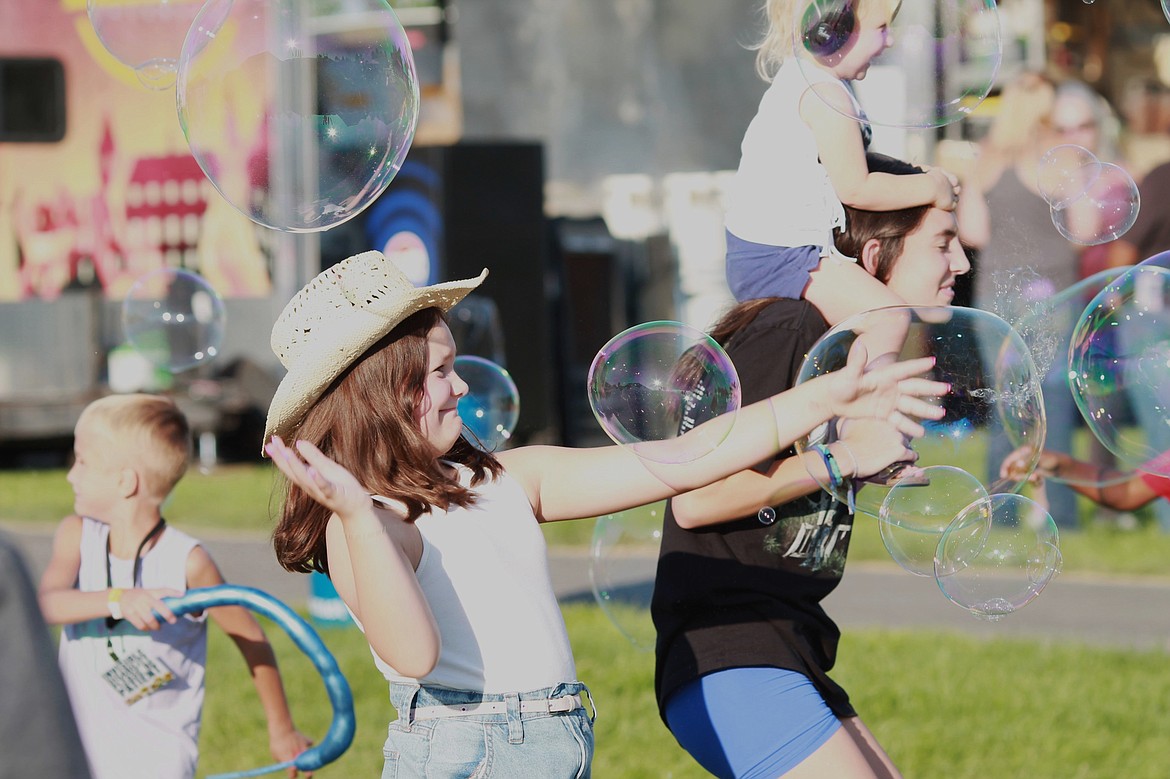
892, 392
946, 189
321, 478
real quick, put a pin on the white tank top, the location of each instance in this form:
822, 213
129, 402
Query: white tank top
158, 735
781, 194
484, 572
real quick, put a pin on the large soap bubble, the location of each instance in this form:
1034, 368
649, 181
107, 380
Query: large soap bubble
174, 318
917, 510
1046, 324
997, 555
145, 35
667, 391
491, 407
623, 558
994, 388
299, 114
1120, 356
950, 36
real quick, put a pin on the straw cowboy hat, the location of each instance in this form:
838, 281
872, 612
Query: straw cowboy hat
335, 319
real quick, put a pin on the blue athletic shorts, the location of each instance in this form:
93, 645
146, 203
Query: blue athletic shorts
750, 723
757, 270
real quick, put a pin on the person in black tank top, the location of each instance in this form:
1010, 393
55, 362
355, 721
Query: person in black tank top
744, 647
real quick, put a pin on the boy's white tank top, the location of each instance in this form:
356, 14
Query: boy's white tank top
158, 736
484, 571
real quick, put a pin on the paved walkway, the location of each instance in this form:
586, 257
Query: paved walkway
1096, 610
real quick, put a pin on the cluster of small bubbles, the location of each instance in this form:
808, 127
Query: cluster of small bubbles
491, 407
665, 390
1091, 202
623, 559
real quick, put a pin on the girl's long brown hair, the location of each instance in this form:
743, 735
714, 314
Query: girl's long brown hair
366, 421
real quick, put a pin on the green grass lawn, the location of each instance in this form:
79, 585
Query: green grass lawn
242, 498
941, 704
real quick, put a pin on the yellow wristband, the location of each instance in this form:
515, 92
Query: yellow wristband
115, 602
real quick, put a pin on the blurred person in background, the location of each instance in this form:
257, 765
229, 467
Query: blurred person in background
1003, 215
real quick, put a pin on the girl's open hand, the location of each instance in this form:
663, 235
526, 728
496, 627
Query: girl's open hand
321, 478
874, 445
893, 392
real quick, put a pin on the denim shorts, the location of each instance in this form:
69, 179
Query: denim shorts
504, 745
756, 270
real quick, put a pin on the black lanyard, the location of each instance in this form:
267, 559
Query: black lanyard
110, 621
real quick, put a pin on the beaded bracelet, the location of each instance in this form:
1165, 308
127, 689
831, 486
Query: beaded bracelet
836, 479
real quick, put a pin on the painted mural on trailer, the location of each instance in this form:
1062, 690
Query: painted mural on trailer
120, 195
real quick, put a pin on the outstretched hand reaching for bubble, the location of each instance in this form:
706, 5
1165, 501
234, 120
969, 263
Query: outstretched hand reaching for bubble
894, 392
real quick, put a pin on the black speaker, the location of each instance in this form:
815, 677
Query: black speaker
32, 100
454, 210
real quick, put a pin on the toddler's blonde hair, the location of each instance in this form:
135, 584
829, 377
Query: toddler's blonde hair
780, 15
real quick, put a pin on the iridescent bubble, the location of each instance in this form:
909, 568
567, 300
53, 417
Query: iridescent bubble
145, 35
1166, 9
1120, 357
174, 318
917, 510
299, 118
994, 386
898, 86
623, 559
1065, 173
997, 555
1103, 212
491, 407
667, 391
1046, 326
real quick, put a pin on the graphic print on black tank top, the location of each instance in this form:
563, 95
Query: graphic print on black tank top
812, 532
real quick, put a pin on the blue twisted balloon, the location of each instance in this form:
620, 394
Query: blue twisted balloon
340, 734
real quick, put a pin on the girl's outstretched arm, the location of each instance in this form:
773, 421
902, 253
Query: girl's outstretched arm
565, 483
865, 449
368, 560
828, 113
1107, 487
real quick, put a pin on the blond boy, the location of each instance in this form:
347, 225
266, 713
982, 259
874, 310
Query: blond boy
135, 671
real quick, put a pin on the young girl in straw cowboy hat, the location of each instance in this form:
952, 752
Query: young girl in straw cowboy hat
435, 546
